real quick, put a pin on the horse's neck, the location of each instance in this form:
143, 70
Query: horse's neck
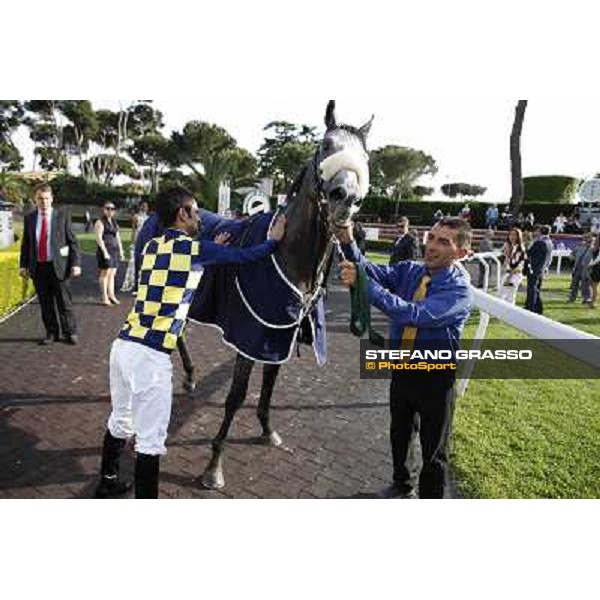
304, 245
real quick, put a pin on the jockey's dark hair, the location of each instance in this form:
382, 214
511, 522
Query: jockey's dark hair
462, 228
169, 201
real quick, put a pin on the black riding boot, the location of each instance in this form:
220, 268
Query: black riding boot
110, 485
146, 475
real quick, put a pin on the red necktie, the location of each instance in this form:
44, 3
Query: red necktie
43, 243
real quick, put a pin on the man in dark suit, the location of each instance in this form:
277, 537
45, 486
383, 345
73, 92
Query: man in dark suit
539, 257
405, 246
50, 255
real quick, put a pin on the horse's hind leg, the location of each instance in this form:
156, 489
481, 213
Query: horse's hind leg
268, 437
189, 382
213, 477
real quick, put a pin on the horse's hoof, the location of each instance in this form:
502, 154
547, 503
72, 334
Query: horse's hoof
213, 480
189, 386
272, 439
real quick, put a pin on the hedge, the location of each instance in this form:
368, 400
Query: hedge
14, 289
550, 188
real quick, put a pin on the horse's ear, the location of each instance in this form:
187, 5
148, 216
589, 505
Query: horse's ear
366, 128
330, 120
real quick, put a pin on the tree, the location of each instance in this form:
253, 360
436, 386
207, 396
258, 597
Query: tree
11, 117
516, 199
395, 169
287, 147
152, 151
46, 131
421, 191
12, 187
212, 154
79, 133
462, 189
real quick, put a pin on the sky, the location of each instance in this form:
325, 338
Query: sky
469, 139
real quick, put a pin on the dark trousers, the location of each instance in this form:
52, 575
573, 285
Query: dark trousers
423, 402
534, 294
56, 301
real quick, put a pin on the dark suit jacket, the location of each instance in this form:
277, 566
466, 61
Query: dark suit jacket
405, 248
540, 256
65, 249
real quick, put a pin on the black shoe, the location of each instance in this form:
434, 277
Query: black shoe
397, 491
73, 340
51, 339
112, 487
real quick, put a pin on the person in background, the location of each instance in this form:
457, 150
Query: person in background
491, 217
572, 226
50, 256
465, 213
539, 257
137, 222
88, 220
529, 221
559, 223
485, 245
437, 216
580, 277
595, 225
108, 252
515, 256
418, 253
405, 246
594, 270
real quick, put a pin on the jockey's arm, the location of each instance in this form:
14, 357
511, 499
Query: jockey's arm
207, 253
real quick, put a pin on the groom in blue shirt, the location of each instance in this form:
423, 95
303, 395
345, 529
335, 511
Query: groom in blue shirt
427, 305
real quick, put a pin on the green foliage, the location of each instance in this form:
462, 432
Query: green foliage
213, 156
69, 189
13, 188
45, 132
395, 169
14, 289
452, 190
11, 116
286, 148
550, 188
420, 191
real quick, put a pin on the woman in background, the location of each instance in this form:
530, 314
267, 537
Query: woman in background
594, 268
109, 251
138, 220
515, 256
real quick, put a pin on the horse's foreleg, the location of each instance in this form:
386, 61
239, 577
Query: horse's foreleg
268, 437
189, 383
213, 477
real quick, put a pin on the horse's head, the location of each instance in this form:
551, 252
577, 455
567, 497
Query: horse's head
343, 167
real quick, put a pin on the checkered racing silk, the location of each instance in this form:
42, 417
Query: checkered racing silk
169, 276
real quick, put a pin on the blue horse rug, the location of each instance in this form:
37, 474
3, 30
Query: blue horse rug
259, 312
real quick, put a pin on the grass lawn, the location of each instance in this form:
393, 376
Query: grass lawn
536, 438
87, 241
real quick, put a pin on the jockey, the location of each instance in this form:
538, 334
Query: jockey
152, 228
141, 371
